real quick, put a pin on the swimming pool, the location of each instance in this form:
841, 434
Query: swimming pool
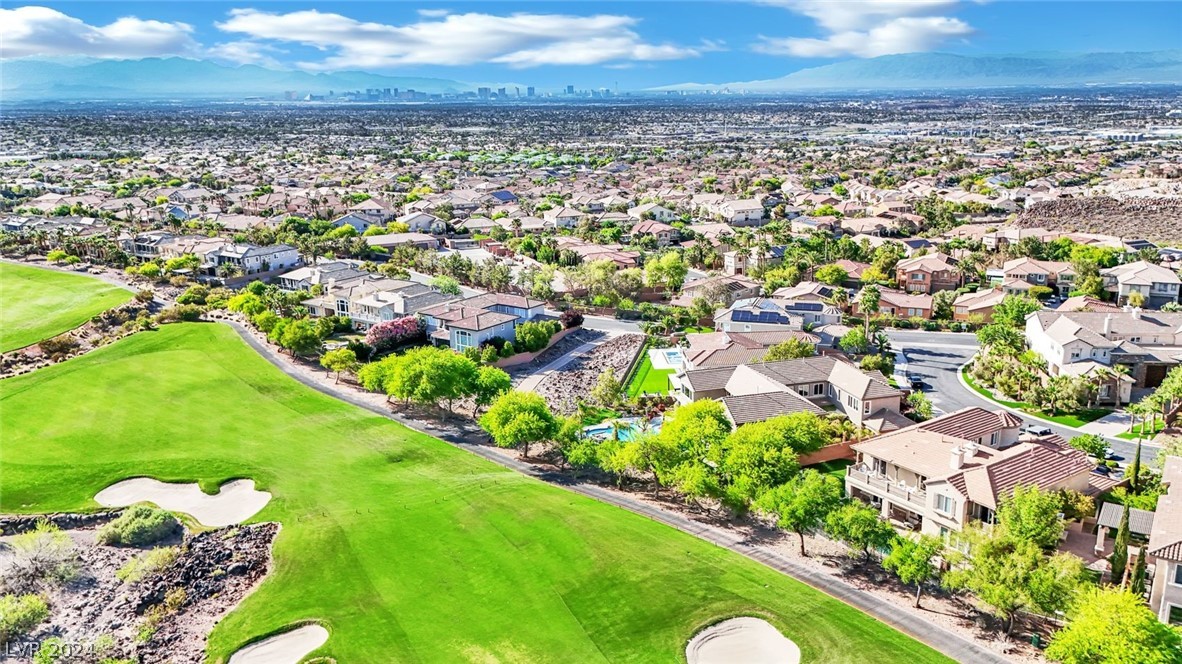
674, 357
604, 430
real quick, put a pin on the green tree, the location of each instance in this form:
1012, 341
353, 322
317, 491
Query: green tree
490, 383
1113, 626
519, 419
914, 561
1119, 560
1002, 337
608, 389
1031, 514
801, 504
921, 406
1009, 575
831, 274
761, 455
56, 256
854, 341
1137, 580
942, 302
339, 360
859, 526
1091, 444
1013, 309
868, 303
300, 337
446, 285
789, 349
667, 270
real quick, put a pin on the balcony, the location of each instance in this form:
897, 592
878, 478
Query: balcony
887, 488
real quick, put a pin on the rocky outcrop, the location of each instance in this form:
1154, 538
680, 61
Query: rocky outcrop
1154, 219
13, 524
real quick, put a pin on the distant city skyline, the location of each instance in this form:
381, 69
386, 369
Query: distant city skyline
547, 45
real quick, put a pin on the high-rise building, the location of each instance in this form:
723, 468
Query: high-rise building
529, 92
483, 93
570, 89
501, 94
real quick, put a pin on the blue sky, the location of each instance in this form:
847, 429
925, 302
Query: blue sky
588, 44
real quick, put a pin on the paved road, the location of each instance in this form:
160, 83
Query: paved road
937, 357
469, 437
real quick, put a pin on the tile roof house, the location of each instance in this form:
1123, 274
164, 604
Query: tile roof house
1157, 285
721, 289
755, 392
899, 304
729, 349
475, 320
370, 299
940, 475
928, 273
1147, 342
1165, 545
664, 233
966, 306
768, 315
1057, 275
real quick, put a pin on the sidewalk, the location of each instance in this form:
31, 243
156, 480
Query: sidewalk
1110, 425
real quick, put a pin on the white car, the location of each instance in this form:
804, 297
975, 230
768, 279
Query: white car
1037, 430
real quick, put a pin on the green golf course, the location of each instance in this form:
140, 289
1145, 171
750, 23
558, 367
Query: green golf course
406, 548
37, 303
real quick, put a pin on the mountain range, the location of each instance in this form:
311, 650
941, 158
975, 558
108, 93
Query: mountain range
69, 79
35, 79
931, 71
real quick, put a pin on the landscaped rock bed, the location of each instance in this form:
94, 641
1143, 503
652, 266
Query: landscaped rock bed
163, 617
562, 389
107, 327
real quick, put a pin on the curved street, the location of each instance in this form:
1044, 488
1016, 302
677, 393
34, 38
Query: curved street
937, 357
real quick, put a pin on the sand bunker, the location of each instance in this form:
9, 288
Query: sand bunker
234, 503
746, 640
286, 648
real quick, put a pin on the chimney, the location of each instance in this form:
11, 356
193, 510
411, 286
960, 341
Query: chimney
1136, 313
957, 459
1107, 324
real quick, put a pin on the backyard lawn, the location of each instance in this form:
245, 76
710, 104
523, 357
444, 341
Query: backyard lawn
836, 468
1074, 420
648, 379
38, 303
404, 547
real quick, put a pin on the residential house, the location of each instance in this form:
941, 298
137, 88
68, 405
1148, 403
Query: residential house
1056, 275
1146, 343
247, 259
1157, 285
977, 306
756, 392
898, 304
370, 299
745, 212
421, 222
810, 291
1165, 547
390, 240
380, 212
729, 349
928, 273
769, 315
360, 222
938, 476
652, 211
475, 320
321, 274
664, 233
742, 261
563, 217
721, 289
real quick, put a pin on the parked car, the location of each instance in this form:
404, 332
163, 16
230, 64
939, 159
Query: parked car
915, 381
1035, 429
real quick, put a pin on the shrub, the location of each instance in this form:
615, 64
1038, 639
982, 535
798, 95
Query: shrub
147, 563
19, 614
63, 344
44, 554
508, 350
571, 318
390, 333
139, 525
194, 295
489, 354
188, 313
362, 350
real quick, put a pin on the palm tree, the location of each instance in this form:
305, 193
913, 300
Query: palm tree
868, 301
883, 342
619, 428
840, 298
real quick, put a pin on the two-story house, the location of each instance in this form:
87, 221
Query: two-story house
251, 258
1056, 275
928, 273
938, 476
653, 211
977, 306
756, 392
369, 299
745, 212
1165, 547
470, 322
664, 233
1157, 285
1147, 343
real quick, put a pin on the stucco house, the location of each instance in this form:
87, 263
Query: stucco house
1165, 547
1156, 284
475, 320
928, 273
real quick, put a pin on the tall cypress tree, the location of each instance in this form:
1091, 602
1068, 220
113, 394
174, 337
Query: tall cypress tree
1137, 580
1120, 554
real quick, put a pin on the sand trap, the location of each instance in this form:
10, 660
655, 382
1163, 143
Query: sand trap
746, 640
286, 648
235, 502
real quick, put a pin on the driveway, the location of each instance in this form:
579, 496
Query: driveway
937, 358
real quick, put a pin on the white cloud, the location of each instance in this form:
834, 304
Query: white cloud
868, 28
517, 40
246, 53
45, 31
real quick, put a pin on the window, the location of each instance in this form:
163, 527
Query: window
818, 389
944, 504
1177, 574
865, 407
1175, 616
342, 307
463, 339
880, 467
917, 276
1105, 391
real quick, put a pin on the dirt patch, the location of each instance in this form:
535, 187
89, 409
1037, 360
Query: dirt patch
1149, 218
